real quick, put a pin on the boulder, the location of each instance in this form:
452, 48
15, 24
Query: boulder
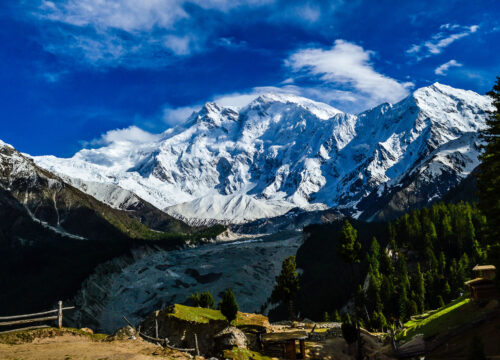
87, 330
229, 338
127, 332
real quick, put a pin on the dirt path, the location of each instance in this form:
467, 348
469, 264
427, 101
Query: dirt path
71, 347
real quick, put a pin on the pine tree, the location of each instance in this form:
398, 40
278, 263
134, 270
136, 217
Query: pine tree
326, 317
287, 285
336, 316
419, 289
489, 176
349, 250
228, 305
403, 303
442, 263
348, 246
207, 300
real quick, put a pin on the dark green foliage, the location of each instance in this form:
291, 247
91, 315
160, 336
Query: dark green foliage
207, 300
228, 305
204, 300
420, 262
348, 245
378, 321
419, 289
489, 174
326, 317
326, 281
494, 258
476, 350
287, 285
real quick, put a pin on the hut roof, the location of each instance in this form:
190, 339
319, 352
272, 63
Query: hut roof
484, 267
284, 336
478, 281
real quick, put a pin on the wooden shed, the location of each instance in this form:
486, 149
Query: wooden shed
485, 271
482, 287
284, 344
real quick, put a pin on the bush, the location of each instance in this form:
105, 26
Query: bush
204, 300
207, 300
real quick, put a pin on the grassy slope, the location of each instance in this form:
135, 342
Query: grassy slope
454, 314
28, 336
202, 315
244, 354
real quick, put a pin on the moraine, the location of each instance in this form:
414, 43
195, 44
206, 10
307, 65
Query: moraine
156, 279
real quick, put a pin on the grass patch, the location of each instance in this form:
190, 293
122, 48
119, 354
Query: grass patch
196, 314
203, 315
454, 314
245, 320
244, 354
28, 336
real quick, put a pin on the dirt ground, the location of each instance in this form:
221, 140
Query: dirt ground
72, 347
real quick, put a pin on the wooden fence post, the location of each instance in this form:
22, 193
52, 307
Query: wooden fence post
196, 344
59, 315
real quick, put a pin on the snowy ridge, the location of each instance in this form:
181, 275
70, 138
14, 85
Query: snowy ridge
280, 152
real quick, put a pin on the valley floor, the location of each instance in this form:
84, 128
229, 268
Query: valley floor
68, 346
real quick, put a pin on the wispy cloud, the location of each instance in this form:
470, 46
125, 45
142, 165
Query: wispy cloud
130, 33
177, 115
346, 70
152, 33
448, 34
443, 69
131, 134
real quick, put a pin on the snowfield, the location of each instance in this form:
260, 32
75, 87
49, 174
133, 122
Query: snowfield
281, 152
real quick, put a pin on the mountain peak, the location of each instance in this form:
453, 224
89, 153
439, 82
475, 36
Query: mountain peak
287, 151
4, 144
321, 110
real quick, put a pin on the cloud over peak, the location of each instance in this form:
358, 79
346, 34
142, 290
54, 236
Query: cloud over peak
347, 67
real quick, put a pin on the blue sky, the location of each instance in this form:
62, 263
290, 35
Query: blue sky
73, 70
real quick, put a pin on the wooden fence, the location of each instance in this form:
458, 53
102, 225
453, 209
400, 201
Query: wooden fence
28, 318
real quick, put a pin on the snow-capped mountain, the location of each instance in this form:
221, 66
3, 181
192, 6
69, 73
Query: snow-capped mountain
281, 152
56, 205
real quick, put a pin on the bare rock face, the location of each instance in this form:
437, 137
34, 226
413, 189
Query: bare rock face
126, 332
229, 338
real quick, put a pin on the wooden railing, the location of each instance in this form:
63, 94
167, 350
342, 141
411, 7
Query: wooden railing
14, 320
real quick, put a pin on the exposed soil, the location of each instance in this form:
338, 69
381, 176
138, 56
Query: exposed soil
68, 346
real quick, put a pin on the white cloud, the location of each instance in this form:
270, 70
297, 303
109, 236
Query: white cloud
174, 116
131, 15
131, 33
449, 34
132, 134
347, 65
442, 69
178, 44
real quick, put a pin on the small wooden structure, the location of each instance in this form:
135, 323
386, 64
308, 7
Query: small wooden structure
482, 287
284, 344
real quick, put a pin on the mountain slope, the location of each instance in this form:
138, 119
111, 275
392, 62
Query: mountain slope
52, 235
65, 210
280, 152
